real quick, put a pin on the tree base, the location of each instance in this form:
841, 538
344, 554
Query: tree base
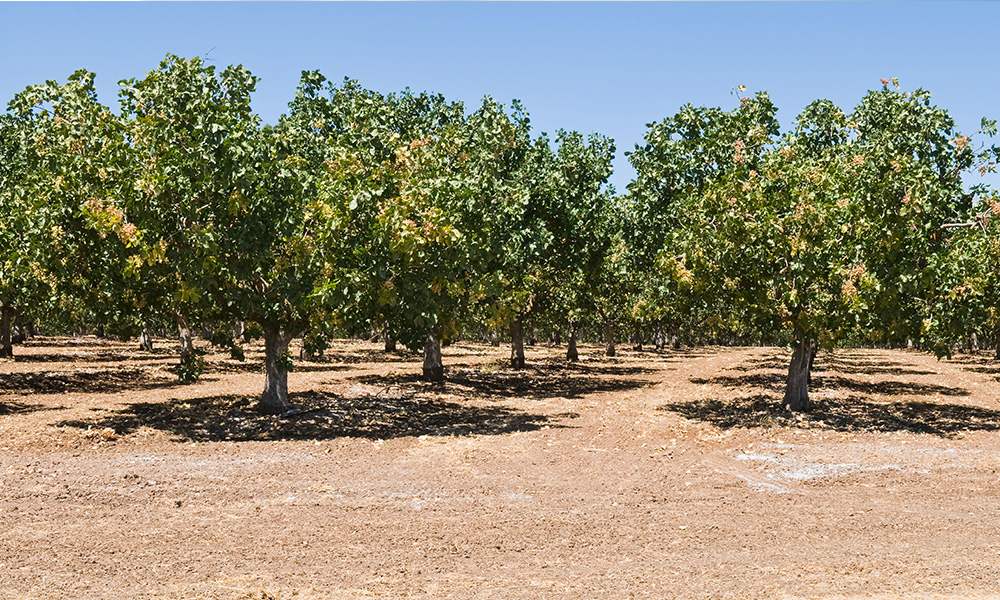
797, 390
516, 344
272, 406
434, 374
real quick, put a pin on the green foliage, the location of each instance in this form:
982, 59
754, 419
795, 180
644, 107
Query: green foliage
222, 337
315, 343
285, 362
252, 331
64, 227
361, 211
834, 229
190, 370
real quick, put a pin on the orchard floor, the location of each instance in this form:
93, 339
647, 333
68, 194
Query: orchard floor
651, 475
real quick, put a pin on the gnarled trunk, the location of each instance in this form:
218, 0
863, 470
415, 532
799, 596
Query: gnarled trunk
274, 400
516, 344
813, 349
389, 339
18, 334
186, 340
571, 353
433, 365
637, 341
146, 340
6, 320
305, 351
609, 338
797, 390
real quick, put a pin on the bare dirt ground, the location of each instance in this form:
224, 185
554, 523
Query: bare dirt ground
669, 475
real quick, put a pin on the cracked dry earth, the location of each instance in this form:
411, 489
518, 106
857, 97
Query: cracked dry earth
650, 475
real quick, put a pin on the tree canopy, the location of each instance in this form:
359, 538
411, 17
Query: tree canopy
406, 215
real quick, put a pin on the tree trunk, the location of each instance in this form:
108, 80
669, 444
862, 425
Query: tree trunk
18, 335
996, 345
187, 342
206, 332
274, 400
238, 328
30, 329
571, 353
99, 332
145, 340
609, 338
433, 366
516, 344
797, 390
305, 352
659, 338
675, 342
6, 317
974, 343
813, 349
388, 339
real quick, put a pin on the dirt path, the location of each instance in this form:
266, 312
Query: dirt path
648, 476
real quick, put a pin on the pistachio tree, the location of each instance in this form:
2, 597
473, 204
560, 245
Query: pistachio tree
15, 271
966, 285
911, 164
826, 230
393, 194
67, 233
221, 207
575, 209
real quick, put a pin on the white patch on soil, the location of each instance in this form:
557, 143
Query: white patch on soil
782, 466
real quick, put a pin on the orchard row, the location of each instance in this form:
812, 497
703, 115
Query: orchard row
412, 216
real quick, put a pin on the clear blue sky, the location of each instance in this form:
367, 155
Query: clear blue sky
605, 67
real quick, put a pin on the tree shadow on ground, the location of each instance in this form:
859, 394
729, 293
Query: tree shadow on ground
19, 408
868, 366
538, 381
854, 413
252, 365
844, 363
686, 352
777, 381
978, 364
92, 357
83, 382
616, 368
317, 416
361, 355
987, 370
765, 362
62, 342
